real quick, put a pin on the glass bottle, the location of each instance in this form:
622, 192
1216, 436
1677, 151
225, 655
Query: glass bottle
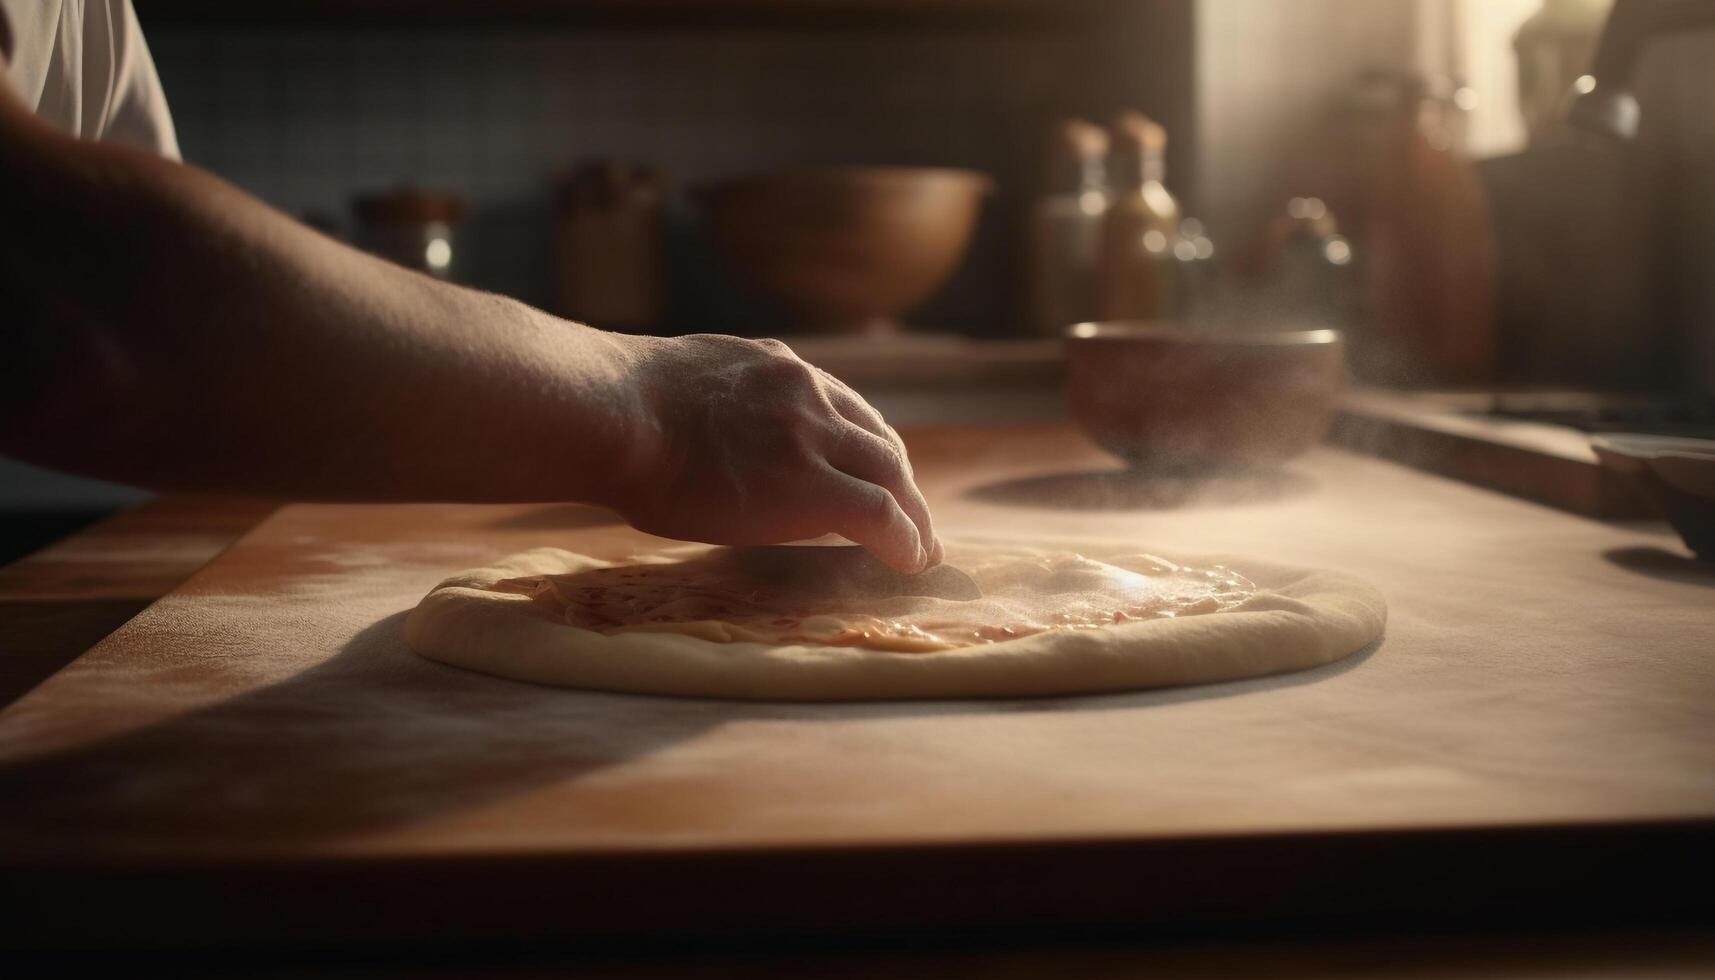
1554, 48
1313, 279
1137, 271
1066, 229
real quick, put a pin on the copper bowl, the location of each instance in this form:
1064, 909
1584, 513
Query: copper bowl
1164, 397
845, 249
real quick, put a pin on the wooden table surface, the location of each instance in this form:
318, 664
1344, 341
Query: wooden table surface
61, 600
1375, 751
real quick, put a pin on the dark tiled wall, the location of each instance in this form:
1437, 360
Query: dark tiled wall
305, 117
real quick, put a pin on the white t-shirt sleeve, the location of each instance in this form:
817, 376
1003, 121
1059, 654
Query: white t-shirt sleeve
86, 68
137, 109
31, 29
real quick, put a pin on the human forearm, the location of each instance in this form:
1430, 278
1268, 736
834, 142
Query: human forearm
174, 332
163, 328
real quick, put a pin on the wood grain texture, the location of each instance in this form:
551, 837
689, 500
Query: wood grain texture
1550, 464
59, 601
1531, 739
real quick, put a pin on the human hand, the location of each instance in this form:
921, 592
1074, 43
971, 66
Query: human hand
741, 442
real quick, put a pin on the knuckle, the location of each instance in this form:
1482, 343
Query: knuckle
891, 454
833, 381
877, 424
785, 371
895, 472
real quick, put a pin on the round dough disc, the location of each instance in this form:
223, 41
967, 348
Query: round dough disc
1298, 618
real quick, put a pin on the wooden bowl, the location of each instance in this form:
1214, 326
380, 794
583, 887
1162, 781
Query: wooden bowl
1168, 398
845, 249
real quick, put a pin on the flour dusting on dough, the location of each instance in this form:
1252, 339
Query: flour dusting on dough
1025, 592
512, 619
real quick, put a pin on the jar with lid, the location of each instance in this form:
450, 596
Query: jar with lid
608, 246
411, 226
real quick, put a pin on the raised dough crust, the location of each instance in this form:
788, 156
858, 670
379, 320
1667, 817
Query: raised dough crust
1299, 618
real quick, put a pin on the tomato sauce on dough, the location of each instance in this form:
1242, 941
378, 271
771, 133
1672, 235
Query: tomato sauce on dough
1025, 592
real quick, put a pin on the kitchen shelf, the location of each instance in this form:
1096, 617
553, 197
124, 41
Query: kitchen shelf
643, 14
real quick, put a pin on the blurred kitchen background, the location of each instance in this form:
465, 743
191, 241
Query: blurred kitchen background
1399, 169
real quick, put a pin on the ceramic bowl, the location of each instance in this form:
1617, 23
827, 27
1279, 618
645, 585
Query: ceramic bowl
1169, 398
845, 249
1677, 473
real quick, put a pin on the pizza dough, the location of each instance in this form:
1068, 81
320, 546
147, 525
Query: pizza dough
1060, 619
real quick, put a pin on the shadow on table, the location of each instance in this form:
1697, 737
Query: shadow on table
1123, 489
377, 737
1671, 566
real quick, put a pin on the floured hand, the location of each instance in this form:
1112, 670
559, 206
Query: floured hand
742, 442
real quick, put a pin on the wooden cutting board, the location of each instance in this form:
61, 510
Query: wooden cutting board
258, 755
